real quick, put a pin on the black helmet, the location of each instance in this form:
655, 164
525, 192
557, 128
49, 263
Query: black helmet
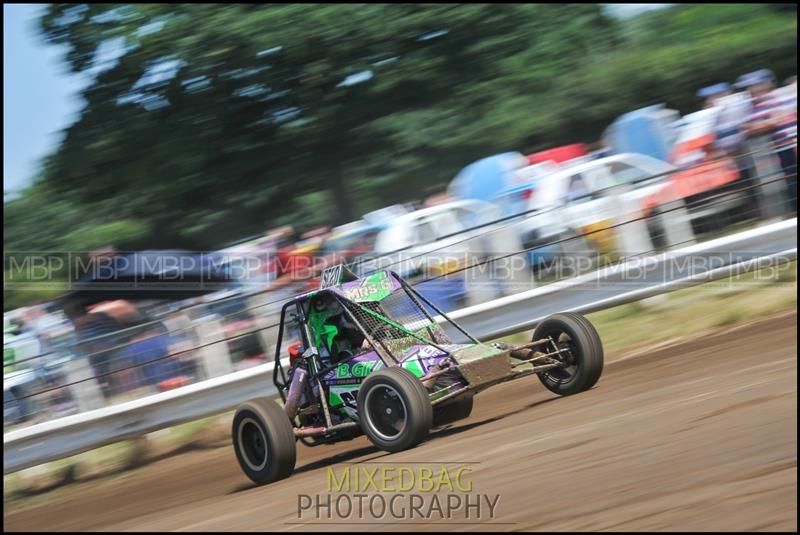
321, 301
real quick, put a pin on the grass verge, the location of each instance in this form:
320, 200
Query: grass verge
693, 311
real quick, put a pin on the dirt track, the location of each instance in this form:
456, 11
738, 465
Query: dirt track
701, 436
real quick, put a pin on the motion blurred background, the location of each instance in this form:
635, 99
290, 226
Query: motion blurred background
278, 133
205, 124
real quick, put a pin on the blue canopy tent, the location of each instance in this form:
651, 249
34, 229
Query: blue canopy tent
647, 131
484, 179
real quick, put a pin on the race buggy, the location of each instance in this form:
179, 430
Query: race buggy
373, 357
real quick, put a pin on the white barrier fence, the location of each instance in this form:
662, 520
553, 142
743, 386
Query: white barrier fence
635, 279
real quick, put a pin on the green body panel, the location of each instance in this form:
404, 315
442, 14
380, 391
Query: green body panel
413, 365
375, 287
343, 399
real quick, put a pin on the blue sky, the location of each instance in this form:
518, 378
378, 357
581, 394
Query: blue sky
40, 98
631, 10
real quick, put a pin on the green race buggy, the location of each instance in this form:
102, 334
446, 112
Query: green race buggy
373, 358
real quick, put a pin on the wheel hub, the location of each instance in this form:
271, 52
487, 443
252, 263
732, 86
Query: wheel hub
253, 445
388, 415
566, 356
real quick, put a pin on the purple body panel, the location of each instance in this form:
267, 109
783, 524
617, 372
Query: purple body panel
418, 359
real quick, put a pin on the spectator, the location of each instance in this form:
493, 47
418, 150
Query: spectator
789, 92
773, 115
713, 93
96, 342
33, 324
734, 109
730, 135
149, 352
788, 95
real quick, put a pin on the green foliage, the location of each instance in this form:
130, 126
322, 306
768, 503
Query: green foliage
93, 236
248, 116
654, 73
19, 296
42, 219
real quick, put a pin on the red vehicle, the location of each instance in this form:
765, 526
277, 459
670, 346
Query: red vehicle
559, 154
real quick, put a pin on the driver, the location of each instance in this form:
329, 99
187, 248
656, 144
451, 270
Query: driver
335, 335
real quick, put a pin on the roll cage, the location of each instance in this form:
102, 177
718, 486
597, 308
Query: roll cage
372, 321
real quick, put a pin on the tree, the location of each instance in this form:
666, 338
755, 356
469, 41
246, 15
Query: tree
209, 123
214, 119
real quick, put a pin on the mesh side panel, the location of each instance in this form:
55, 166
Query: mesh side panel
397, 322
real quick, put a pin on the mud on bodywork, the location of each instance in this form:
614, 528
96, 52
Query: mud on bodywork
344, 381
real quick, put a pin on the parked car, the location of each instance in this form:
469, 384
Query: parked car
19, 379
17, 346
575, 200
559, 155
439, 240
450, 229
515, 201
34, 362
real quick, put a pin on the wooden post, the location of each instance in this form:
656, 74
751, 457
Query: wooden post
674, 220
214, 351
86, 389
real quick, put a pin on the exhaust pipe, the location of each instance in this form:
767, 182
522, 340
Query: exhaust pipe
295, 391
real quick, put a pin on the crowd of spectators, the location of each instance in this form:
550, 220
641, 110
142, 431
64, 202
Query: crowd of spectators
753, 107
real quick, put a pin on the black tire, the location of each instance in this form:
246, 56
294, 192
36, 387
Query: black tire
452, 411
394, 409
585, 353
264, 441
